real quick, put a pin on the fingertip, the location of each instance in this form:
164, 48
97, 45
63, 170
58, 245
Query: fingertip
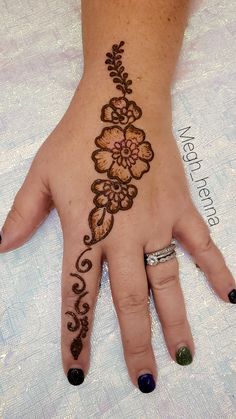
146, 382
3, 247
232, 296
183, 355
75, 376
1, 242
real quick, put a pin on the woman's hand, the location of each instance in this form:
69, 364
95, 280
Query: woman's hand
126, 214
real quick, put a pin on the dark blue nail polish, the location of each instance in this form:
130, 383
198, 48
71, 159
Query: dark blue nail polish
232, 296
146, 383
75, 376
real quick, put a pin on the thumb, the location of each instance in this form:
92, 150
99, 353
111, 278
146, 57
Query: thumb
31, 206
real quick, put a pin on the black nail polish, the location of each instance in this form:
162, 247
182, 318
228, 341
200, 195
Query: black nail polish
146, 383
75, 376
0, 238
232, 296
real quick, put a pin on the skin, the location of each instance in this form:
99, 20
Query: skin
62, 173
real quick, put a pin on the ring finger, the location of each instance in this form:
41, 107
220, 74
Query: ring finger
169, 302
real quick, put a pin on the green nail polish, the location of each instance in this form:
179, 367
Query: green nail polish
183, 356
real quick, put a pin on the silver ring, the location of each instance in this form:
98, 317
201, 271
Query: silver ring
161, 255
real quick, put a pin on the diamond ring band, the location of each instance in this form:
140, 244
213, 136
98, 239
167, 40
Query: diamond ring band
161, 255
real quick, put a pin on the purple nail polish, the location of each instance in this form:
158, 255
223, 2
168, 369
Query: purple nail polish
146, 383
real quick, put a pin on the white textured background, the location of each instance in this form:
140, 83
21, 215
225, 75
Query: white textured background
41, 62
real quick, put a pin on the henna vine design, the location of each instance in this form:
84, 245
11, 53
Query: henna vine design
117, 70
82, 267
123, 154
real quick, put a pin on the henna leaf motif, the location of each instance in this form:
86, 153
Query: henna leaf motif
76, 347
76, 344
100, 223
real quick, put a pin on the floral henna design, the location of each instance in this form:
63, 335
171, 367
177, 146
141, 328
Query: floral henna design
120, 110
82, 266
113, 195
123, 154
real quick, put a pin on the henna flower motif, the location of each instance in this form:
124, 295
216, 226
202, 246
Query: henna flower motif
120, 110
123, 154
113, 195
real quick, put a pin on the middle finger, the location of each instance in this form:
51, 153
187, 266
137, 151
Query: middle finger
129, 289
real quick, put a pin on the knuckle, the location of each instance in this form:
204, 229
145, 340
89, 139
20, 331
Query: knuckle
15, 215
205, 245
178, 323
138, 350
164, 282
69, 302
220, 268
132, 303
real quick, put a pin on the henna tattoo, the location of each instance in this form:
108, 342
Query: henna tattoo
70, 325
82, 266
100, 223
85, 265
77, 344
123, 153
120, 110
117, 69
113, 195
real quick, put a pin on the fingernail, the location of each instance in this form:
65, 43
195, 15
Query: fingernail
146, 383
0, 237
232, 296
75, 376
183, 356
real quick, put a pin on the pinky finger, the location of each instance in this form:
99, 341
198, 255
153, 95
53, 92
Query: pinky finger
193, 233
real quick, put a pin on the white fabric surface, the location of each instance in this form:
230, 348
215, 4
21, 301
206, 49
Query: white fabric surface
41, 62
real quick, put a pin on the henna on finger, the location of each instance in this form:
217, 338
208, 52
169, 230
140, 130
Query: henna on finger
123, 153
81, 324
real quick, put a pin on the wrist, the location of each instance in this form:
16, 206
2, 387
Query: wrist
153, 97
145, 72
